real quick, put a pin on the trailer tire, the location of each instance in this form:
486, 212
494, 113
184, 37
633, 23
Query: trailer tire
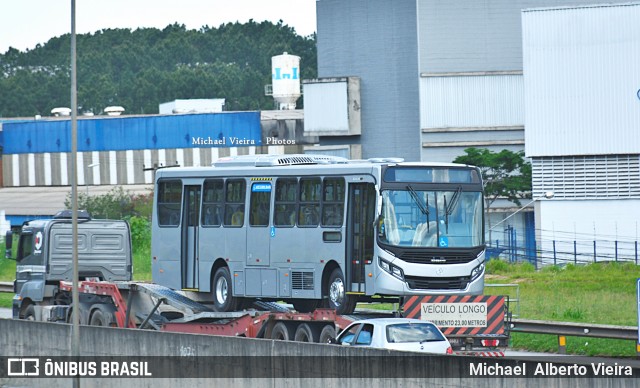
283, 332
328, 332
30, 313
223, 299
307, 333
338, 299
102, 317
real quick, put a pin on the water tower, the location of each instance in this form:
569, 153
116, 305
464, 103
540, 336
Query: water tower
285, 79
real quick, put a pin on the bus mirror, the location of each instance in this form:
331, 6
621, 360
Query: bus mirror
8, 243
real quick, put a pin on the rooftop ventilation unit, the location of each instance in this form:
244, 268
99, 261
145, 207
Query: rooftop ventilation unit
61, 111
277, 160
114, 110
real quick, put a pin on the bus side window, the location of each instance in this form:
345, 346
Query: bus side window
234, 205
212, 202
260, 201
333, 202
169, 198
286, 206
309, 212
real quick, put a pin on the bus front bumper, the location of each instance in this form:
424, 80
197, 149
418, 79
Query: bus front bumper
387, 284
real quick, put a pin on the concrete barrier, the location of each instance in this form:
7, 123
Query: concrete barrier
242, 362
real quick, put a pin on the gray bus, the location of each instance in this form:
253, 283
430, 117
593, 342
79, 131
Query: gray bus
318, 231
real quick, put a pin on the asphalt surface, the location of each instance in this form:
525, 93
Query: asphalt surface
5, 313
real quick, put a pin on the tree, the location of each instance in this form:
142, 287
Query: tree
116, 204
504, 174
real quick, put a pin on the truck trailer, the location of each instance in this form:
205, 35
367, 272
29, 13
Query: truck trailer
108, 296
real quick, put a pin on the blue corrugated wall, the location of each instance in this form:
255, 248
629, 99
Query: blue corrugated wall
134, 133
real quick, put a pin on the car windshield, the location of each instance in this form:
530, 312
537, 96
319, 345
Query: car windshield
445, 219
413, 332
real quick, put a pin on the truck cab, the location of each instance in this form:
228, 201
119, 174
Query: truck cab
45, 257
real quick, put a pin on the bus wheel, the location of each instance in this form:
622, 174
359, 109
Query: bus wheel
306, 333
305, 306
223, 300
282, 331
328, 332
339, 300
30, 313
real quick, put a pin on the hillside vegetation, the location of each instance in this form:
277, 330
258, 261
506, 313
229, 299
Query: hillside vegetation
141, 68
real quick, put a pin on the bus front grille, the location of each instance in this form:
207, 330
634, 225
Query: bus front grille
420, 283
423, 258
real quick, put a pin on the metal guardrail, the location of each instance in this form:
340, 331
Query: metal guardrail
569, 329
574, 329
6, 287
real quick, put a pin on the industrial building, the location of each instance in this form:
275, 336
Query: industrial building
582, 98
438, 77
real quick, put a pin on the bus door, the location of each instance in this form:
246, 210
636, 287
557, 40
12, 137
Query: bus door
190, 233
258, 230
360, 235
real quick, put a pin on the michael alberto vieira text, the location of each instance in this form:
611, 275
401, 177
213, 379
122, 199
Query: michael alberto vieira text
549, 369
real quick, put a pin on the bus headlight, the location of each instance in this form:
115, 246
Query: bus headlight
477, 271
391, 269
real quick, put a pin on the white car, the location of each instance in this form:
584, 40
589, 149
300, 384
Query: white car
406, 334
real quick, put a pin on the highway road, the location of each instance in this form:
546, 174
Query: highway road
5, 313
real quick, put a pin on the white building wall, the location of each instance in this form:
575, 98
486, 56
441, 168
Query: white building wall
581, 80
474, 100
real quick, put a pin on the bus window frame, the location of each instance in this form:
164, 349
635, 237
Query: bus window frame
235, 205
162, 204
309, 203
221, 203
287, 202
324, 203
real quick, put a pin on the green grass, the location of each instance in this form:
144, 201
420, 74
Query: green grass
142, 263
7, 266
602, 293
5, 300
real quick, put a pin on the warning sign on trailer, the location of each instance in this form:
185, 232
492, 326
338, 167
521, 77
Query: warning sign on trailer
455, 314
459, 315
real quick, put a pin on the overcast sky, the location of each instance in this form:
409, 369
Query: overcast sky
25, 23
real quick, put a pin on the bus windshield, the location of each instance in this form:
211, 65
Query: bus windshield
443, 219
